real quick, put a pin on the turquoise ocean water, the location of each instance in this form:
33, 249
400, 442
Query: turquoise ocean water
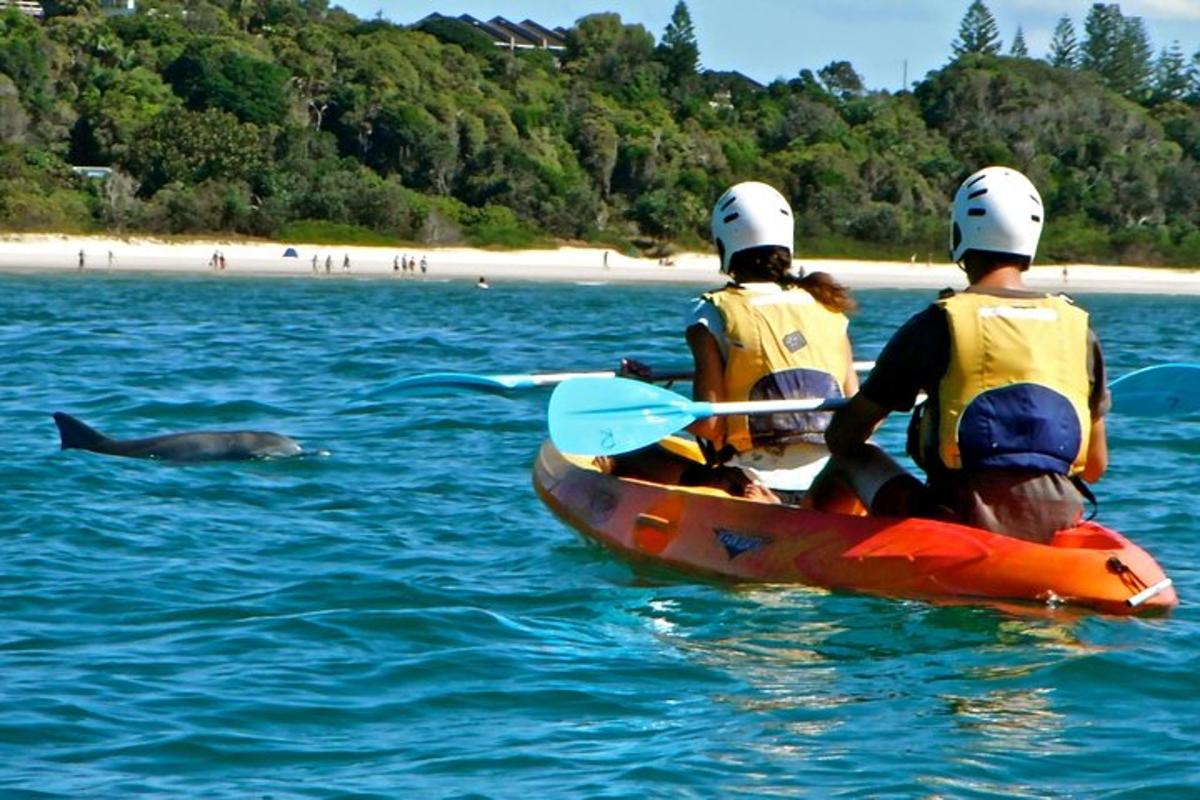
403, 618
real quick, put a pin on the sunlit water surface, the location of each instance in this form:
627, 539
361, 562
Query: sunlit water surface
402, 617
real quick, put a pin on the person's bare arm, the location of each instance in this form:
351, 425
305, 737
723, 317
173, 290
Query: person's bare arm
853, 424
1097, 455
850, 379
709, 381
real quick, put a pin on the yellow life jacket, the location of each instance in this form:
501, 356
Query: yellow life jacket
783, 344
1015, 394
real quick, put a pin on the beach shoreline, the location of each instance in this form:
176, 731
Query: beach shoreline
67, 253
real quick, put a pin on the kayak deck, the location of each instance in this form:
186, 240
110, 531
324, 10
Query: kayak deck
708, 532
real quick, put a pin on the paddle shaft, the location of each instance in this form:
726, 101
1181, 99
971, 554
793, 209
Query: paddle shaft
435, 383
554, 378
701, 409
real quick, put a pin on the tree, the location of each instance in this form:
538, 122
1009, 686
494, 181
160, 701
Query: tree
13, 120
219, 77
978, 32
191, 147
619, 57
1135, 69
678, 49
1193, 95
1173, 76
1102, 29
840, 78
1118, 50
1064, 50
1019, 49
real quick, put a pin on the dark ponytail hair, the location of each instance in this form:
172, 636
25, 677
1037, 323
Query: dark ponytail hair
773, 264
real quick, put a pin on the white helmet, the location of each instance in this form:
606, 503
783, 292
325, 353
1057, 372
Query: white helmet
751, 214
998, 210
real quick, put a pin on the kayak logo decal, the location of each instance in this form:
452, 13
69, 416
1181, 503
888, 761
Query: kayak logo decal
601, 505
737, 543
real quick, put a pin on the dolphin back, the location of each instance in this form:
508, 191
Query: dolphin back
76, 435
188, 446
220, 446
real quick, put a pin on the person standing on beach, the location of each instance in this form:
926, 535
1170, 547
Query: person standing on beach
314, 264
346, 263
82, 258
110, 259
424, 265
767, 334
1015, 383
221, 258
328, 264
395, 263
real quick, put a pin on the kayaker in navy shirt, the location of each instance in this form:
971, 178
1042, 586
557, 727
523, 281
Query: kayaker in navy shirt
1014, 420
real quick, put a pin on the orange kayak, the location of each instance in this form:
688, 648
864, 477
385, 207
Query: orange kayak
706, 531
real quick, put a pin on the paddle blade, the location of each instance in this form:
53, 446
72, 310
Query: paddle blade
609, 416
1165, 390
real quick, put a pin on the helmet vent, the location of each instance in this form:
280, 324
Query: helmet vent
731, 217
973, 195
977, 212
977, 180
1035, 218
732, 199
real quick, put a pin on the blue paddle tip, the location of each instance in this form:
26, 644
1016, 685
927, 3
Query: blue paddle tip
1163, 390
609, 416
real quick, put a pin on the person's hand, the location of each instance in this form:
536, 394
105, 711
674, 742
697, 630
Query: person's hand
632, 368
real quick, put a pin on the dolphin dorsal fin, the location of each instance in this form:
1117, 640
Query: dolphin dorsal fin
76, 434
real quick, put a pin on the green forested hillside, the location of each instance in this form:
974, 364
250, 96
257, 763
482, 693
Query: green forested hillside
289, 119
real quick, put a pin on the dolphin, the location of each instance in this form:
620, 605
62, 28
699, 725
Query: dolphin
188, 446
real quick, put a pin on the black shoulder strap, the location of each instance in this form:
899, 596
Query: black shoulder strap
1086, 491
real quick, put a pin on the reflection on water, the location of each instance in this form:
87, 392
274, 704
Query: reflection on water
1010, 719
810, 687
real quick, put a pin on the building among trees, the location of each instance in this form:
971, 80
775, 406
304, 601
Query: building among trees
31, 8
524, 35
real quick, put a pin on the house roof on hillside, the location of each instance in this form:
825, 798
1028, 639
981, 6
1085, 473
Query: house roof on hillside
733, 76
526, 35
552, 36
502, 34
30, 8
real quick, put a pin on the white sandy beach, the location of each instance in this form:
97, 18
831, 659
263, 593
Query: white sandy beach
60, 253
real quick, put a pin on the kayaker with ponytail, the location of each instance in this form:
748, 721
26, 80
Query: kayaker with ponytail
770, 333
1015, 378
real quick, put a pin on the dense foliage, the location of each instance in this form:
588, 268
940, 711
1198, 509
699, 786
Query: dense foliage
288, 119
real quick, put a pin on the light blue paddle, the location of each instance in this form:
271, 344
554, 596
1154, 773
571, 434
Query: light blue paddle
609, 416
439, 383
1164, 390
